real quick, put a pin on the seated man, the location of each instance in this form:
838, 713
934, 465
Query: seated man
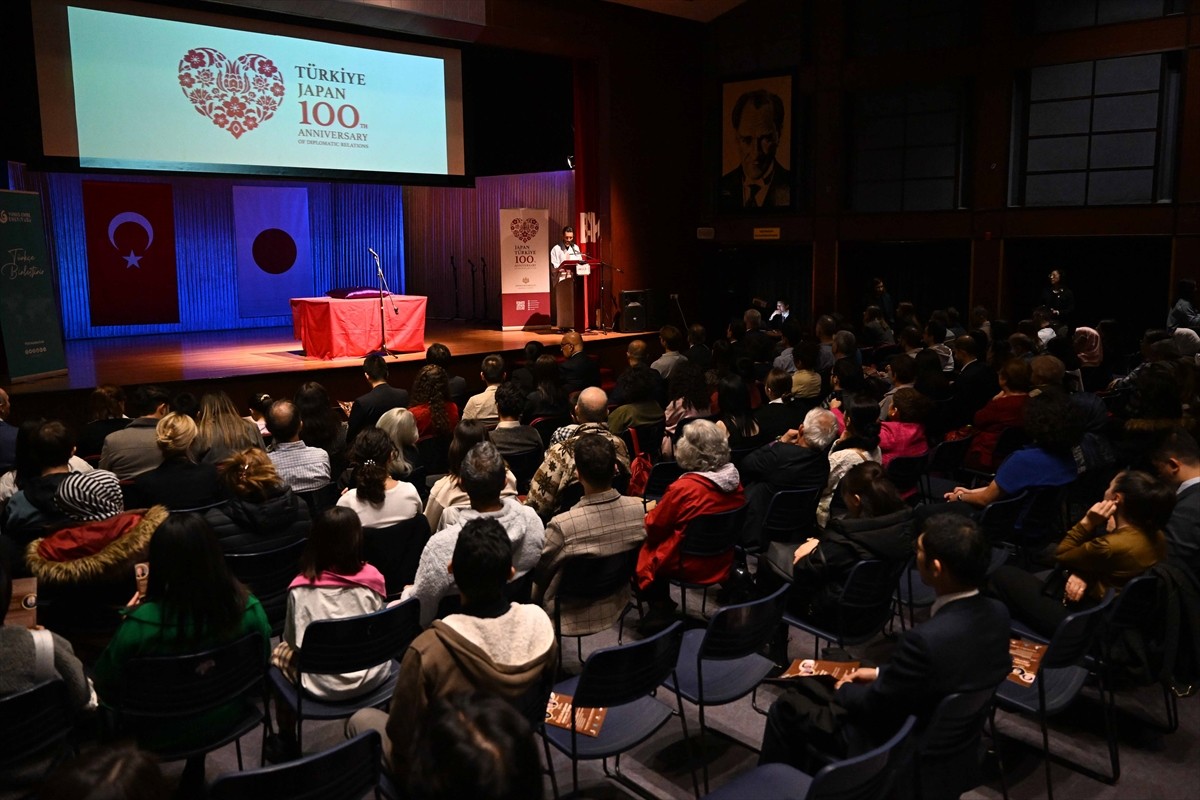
482, 406
492, 645
31, 511
557, 472
1177, 460
963, 647
382, 397
482, 476
672, 341
510, 436
303, 468
602, 523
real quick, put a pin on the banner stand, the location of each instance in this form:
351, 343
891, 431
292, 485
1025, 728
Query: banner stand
29, 319
525, 269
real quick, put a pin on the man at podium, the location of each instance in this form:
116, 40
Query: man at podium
563, 258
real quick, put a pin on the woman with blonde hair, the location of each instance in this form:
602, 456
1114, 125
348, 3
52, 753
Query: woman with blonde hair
222, 429
260, 511
401, 427
179, 483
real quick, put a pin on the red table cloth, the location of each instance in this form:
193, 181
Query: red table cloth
337, 328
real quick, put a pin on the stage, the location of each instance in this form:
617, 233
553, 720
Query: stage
268, 360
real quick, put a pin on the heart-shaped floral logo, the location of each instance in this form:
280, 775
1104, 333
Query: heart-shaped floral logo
524, 229
238, 95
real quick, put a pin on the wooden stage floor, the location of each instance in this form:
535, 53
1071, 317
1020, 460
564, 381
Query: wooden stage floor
264, 352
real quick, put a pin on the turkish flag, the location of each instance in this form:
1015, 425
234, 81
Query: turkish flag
130, 231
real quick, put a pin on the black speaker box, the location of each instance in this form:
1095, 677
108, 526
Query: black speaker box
636, 315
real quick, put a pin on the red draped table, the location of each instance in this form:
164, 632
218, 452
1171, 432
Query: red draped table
343, 328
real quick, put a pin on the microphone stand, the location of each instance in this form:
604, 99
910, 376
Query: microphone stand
474, 311
604, 328
454, 274
383, 287
487, 316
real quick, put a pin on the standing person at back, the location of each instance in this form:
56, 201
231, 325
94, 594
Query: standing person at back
368, 408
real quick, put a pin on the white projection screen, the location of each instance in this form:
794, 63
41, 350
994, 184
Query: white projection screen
130, 86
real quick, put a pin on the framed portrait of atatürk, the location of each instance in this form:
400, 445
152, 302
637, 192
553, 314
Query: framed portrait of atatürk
757, 124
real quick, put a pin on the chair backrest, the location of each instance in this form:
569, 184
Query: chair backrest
546, 426
156, 687
334, 646
662, 475
523, 465
1136, 604
32, 721
320, 499
592, 577
395, 550
739, 630
865, 777
1010, 441
999, 518
617, 675
268, 575
712, 534
1074, 636
434, 450
866, 601
648, 439
948, 456
790, 514
1041, 517
346, 771
956, 723
906, 471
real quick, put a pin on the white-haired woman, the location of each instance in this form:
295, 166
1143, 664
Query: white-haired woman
401, 427
709, 485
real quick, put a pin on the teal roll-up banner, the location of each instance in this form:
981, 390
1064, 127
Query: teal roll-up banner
28, 308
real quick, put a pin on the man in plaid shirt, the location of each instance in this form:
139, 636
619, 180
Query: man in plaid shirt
303, 468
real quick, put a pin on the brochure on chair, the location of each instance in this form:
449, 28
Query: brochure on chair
588, 721
827, 671
1027, 657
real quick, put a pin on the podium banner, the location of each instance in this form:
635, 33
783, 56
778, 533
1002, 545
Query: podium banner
524, 268
28, 307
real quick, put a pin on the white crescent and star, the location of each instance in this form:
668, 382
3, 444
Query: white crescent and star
133, 259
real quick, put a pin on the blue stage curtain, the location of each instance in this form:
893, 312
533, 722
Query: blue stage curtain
345, 220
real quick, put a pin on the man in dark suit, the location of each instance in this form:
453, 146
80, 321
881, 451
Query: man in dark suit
760, 181
368, 408
577, 371
963, 647
975, 385
1177, 460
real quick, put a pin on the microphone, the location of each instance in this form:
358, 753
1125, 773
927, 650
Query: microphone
371, 250
472, 263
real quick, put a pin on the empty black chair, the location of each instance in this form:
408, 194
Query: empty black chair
347, 771
662, 475
707, 536
943, 463
648, 439
395, 550
158, 690
336, 646
906, 472
35, 726
434, 451
268, 575
722, 663
865, 607
791, 517
947, 763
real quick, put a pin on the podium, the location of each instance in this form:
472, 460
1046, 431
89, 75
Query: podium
570, 307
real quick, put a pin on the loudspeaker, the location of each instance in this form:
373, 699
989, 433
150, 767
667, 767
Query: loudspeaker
636, 311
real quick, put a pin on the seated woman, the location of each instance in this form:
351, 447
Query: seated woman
401, 427
178, 483
1005, 410
261, 512
1054, 429
709, 485
448, 493
223, 432
903, 434
435, 413
879, 526
106, 413
690, 397
192, 602
379, 499
321, 426
334, 583
547, 399
858, 444
1118, 539
737, 420
637, 387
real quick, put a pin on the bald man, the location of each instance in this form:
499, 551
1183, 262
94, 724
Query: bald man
557, 471
577, 370
8, 435
635, 354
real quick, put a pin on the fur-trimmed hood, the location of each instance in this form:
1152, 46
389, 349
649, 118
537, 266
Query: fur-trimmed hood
94, 550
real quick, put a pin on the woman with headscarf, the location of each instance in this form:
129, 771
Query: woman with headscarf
1093, 370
